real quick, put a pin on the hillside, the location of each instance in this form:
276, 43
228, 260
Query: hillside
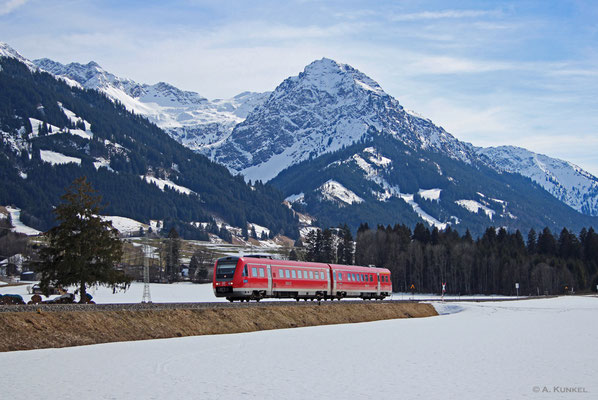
53, 131
383, 181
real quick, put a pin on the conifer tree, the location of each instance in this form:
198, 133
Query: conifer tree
173, 249
83, 249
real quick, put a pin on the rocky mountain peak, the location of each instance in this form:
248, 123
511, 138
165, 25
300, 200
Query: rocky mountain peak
9, 52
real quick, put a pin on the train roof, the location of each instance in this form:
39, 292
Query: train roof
359, 268
269, 260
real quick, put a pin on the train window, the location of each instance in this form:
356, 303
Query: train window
311, 274
294, 273
287, 273
261, 273
322, 277
340, 276
350, 277
253, 271
371, 278
245, 273
299, 274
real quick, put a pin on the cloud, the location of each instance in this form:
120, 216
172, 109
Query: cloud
9, 6
446, 14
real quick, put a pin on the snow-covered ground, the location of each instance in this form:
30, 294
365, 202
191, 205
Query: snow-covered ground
185, 292
19, 227
530, 349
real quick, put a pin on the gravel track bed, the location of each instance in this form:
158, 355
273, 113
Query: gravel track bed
183, 306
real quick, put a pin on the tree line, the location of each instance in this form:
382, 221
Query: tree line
541, 263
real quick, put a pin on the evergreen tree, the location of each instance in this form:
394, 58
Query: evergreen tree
293, 255
547, 243
83, 249
201, 260
173, 248
531, 241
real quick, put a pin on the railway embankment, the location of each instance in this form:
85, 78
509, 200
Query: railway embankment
26, 330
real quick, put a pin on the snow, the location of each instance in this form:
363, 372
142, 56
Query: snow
495, 350
81, 133
332, 190
74, 118
55, 158
161, 183
473, 206
35, 124
124, 224
430, 194
258, 229
422, 214
564, 180
296, 197
19, 227
377, 158
102, 163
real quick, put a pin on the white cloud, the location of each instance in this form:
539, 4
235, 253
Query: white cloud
7, 7
446, 14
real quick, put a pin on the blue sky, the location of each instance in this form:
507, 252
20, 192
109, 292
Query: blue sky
492, 73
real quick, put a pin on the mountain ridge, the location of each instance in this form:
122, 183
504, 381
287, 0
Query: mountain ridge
279, 129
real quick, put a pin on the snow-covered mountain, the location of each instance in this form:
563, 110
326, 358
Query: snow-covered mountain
331, 105
564, 180
188, 117
52, 132
327, 106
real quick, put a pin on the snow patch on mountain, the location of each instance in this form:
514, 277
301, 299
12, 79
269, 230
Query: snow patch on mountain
295, 198
473, 206
18, 226
162, 183
334, 191
430, 194
422, 214
55, 158
564, 180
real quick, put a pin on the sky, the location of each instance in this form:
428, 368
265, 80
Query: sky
522, 73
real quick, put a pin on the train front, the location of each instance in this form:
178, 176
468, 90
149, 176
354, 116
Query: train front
224, 276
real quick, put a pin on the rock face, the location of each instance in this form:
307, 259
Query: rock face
327, 106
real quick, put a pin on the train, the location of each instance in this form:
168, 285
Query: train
257, 277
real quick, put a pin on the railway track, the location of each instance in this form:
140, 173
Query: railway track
205, 305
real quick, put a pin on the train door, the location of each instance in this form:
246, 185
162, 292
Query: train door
269, 273
378, 285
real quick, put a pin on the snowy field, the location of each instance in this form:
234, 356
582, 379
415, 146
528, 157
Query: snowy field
527, 349
185, 292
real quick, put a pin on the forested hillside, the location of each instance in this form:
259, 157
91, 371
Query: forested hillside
52, 133
380, 180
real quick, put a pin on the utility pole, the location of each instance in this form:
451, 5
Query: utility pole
147, 298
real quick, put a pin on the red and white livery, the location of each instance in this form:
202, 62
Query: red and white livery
255, 278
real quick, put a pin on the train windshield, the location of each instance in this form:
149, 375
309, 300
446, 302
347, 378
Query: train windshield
226, 270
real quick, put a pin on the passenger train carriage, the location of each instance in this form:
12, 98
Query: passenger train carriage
255, 278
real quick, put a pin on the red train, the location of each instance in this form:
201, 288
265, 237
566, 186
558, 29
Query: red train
258, 277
